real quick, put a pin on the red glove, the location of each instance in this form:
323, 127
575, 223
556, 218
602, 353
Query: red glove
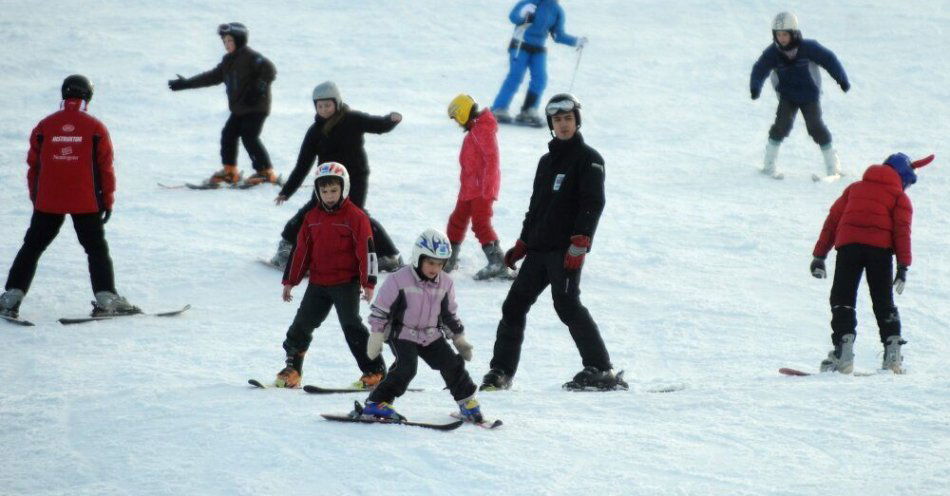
516, 253
574, 257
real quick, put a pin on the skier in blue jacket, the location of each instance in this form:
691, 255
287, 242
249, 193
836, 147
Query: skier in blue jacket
793, 64
535, 20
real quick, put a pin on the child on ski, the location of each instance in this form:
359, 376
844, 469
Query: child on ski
335, 245
70, 172
535, 20
868, 224
337, 136
414, 312
247, 76
793, 63
480, 180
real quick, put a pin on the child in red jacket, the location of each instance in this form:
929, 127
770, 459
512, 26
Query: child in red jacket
480, 178
868, 224
335, 244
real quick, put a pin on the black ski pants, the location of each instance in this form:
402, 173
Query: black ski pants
43, 229
853, 260
248, 128
785, 117
381, 240
539, 270
314, 308
438, 355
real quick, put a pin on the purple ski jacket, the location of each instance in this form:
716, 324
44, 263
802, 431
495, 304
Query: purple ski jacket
413, 309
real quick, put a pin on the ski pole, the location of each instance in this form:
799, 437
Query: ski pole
580, 52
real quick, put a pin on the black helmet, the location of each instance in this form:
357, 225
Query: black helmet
77, 86
237, 31
563, 103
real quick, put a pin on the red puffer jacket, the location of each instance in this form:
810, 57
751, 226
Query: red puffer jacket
874, 211
480, 176
334, 247
70, 161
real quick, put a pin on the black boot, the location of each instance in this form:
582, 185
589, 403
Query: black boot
495, 380
594, 379
454, 259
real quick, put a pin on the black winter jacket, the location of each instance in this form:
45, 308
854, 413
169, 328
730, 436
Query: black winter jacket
247, 76
568, 195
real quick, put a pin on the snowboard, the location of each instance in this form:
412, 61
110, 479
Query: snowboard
81, 320
17, 321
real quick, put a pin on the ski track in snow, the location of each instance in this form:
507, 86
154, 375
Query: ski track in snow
698, 276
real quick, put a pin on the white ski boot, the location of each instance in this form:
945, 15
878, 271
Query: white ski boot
893, 359
771, 154
109, 303
841, 359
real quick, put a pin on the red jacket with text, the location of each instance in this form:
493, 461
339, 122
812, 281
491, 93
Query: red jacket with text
874, 211
70, 161
480, 176
335, 247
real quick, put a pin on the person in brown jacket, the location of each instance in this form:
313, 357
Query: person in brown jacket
247, 75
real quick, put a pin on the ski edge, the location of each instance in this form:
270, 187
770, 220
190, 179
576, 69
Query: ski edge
83, 320
451, 426
17, 321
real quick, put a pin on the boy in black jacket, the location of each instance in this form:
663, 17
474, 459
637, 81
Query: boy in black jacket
565, 207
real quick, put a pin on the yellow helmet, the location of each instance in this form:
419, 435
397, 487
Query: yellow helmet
460, 108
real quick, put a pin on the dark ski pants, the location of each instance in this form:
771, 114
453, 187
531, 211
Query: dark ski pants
381, 240
315, 307
853, 260
43, 229
438, 355
785, 117
538, 271
248, 128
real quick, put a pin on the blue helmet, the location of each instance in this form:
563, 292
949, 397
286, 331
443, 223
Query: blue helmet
902, 165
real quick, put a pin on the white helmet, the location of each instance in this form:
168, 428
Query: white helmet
337, 170
431, 243
327, 90
785, 21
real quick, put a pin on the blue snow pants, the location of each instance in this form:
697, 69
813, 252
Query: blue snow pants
518, 62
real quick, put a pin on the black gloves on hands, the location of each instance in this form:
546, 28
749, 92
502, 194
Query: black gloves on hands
755, 94
817, 268
178, 84
104, 215
900, 279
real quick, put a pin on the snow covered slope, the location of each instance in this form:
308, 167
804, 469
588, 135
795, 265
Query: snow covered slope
698, 278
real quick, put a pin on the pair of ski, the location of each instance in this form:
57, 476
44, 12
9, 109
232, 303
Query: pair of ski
82, 320
814, 177
800, 373
322, 390
209, 185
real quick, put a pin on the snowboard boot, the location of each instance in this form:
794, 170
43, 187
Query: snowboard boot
470, 410
292, 373
228, 174
832, 164
529, 117
893, 359
771, 154
840, 359
381, 410
369, 380
10, 303
282, 256
390, 263
496, 263
594, 379
502, 116
262, 176
109, 303
454, 259
495, 380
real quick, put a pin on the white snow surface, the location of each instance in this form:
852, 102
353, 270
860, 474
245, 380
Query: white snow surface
698, 277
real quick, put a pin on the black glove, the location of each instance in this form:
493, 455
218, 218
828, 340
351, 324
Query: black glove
178, 84
104, 215
845, 86
900, 279
817, 268
755, 94
255, 92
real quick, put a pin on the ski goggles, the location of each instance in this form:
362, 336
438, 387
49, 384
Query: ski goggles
559, 106
230, 28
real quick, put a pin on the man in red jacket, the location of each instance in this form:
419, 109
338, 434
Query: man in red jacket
70, 172
868, 224
480, 181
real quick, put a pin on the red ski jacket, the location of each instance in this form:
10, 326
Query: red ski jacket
335, 247
874, 211
70, 161
480, 176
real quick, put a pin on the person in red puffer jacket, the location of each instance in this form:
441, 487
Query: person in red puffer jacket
70, 172
868, 224
335, 246
480, 181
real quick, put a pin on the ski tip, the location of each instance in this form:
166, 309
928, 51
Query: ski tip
792, 372
256, 383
